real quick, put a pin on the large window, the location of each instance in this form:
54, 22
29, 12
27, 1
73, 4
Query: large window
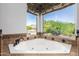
31, 24
61, 22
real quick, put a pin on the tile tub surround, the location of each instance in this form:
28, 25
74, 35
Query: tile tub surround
5, 50
7, 36
78, 44
59, 38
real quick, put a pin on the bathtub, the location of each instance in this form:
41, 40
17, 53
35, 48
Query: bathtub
40, 46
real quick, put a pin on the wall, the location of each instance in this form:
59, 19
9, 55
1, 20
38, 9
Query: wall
13, 18
78, 16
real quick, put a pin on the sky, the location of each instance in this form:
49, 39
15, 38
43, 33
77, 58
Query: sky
64, 15
31, 19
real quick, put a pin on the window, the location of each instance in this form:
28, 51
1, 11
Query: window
61, 22
31, 24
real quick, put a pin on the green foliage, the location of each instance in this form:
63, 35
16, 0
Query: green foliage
29, 27
59, 28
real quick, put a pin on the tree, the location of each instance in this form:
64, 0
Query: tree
53, 27
29, 27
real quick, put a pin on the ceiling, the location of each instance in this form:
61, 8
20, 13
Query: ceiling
45, 7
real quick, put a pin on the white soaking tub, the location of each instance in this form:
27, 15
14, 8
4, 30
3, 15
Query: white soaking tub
40, 46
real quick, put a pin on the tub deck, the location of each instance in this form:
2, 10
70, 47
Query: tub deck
5, 50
